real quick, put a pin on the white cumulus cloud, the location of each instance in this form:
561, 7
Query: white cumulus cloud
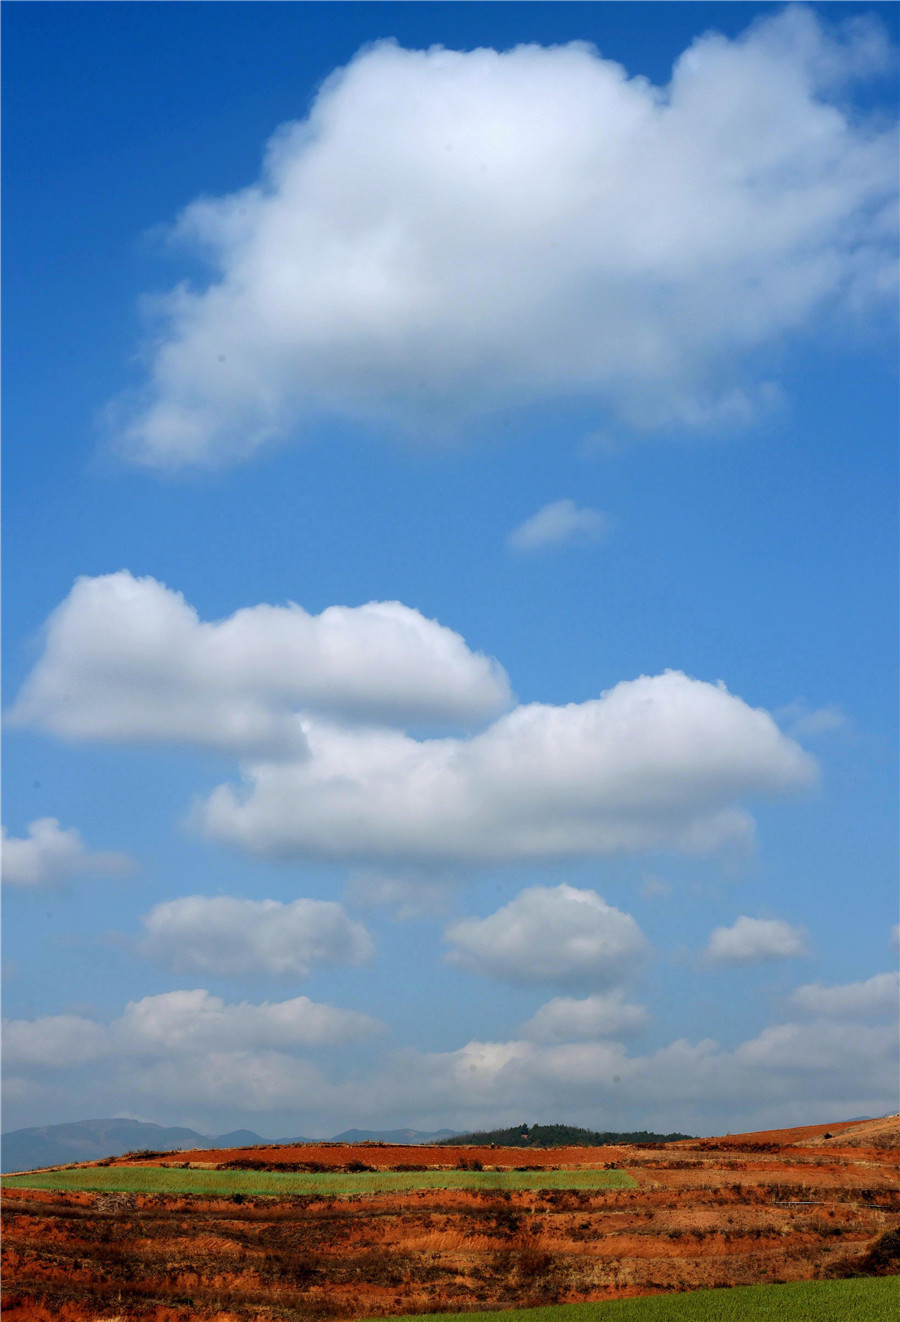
656, 763
127, 659
50, 856
196, 1021
450, 232
229, 937
754, 941
559, 522
180, 1023
549, 934
877, 995
569, 1019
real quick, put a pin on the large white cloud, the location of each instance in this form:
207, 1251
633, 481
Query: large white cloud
182, 1023
196, 1021
554, 934
229, 937
450, 232
50, 856
656, 763
755, 941
877, 995
660, 762
127, 659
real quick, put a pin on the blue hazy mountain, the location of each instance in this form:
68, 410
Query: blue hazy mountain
89, 1140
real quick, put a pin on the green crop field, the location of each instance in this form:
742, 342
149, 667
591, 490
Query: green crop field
222, 1183
874, 1299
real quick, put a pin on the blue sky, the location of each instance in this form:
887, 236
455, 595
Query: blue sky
584, 356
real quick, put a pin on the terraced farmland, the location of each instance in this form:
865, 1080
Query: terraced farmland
203, 1242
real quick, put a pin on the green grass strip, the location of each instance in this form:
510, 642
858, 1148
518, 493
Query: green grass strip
219, 1183
872, 1299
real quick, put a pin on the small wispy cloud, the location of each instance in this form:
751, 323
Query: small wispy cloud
800, 720
653, 888
559, 522
410, 895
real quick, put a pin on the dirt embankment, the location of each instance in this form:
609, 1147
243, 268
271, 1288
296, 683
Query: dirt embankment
705, 1213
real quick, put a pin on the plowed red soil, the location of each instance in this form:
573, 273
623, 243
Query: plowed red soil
386, 1156
735, 1211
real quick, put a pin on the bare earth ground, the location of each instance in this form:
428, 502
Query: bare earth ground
776, 1206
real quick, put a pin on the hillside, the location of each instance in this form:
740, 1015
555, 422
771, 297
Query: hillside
883, 1133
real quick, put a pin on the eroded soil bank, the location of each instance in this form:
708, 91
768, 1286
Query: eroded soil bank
739, 1211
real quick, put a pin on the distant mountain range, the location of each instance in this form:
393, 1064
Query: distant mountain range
90, 1140
392, 1136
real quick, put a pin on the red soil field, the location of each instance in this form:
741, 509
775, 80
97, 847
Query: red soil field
772, 1206
388, 1156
